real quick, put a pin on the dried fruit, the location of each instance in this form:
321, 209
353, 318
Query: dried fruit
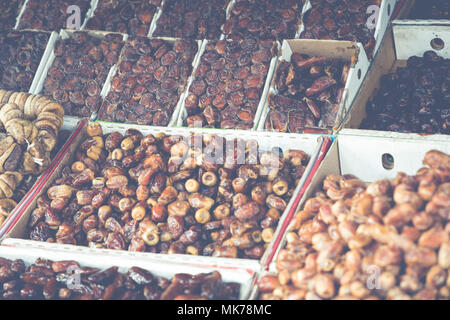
340, 21
22, 52
83, 62
50, 15
308, 96
342, 246
50, 280
264, 19
423, 109
224, 94
169, 195
199, 19
149, 99
133, 18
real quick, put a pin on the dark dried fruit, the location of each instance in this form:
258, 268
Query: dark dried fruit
264, 19
333, 20
130, 17
82, 77
149, 98
413, 99
228, 94
50, 15
50, 280
21, 54
192, 19
309, 94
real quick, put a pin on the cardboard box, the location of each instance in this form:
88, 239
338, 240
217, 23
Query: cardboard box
349, 51
402, 41
311, 144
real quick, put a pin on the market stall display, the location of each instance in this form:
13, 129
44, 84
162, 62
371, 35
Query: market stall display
150, 79
130, 17
22, 52
192, 19
351, 229
80, 68
50, 15
229, 84
224, 149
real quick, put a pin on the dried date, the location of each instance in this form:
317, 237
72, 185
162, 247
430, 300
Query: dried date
224, 94
79, 87
150, 98
425, 108
22, 52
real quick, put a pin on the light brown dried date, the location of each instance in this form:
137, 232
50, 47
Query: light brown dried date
351, 228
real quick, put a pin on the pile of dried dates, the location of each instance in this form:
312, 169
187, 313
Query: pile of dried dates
199, 195
80, 69
30, 126
340, 20
50, 15
49, 280
193, 19
431, 9
413, 99
310, 91
264, 19
20, 57
9, 12
228, 83
151, 77
383, 240
130, 17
